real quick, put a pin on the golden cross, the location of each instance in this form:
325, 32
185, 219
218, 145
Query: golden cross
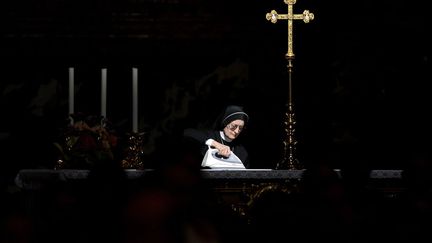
273, 16
289, 160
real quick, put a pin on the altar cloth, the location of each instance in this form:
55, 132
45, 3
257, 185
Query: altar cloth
32, 178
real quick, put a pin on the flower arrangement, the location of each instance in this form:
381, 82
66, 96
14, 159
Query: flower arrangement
84, 143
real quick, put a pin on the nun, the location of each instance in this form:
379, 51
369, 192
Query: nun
224, 135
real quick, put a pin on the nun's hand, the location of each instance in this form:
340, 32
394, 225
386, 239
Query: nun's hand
223, 149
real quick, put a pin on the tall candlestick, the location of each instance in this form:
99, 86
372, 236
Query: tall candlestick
71, 90
103, 92
135, 100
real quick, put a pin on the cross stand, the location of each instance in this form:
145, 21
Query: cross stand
289, 160
134, 152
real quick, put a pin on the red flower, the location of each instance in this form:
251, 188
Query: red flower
86, 142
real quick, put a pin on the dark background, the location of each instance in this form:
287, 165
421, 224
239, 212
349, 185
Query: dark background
361, 75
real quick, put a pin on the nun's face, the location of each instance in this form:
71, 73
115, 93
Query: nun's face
233, 129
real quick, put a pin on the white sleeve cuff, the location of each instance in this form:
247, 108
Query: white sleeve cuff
209, 142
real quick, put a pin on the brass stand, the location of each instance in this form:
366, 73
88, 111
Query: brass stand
289, 160
134, 152
66, 146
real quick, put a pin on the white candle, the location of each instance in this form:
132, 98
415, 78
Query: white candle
71, 90
103, 92
135, 100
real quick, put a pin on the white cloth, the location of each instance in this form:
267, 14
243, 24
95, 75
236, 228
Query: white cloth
209, 142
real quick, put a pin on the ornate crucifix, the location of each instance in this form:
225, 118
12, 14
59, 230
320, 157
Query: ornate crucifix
289, 161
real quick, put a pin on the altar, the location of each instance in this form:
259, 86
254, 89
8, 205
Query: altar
237, 189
